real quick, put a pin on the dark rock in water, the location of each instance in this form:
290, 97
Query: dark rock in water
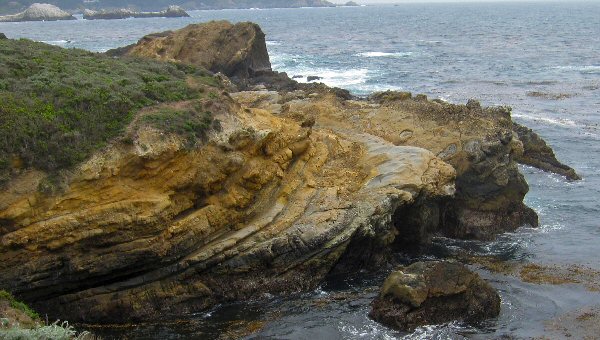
298, 76
2, 36
351, 3
171, 12
538, 154
427, 293
311, 78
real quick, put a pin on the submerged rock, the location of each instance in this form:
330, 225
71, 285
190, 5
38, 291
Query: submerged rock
171, 12
39, 12
427, 293
313, 78
238, 51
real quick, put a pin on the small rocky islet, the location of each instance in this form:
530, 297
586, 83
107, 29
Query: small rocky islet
286, 184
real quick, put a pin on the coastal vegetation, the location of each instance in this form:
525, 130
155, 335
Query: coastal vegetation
57, 106
19, 322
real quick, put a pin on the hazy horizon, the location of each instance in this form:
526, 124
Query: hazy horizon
426, 1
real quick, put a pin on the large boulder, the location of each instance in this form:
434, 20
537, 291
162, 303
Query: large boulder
239, 51
435, 292
3, 36
39, 12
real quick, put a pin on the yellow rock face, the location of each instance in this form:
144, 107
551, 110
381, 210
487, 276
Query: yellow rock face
151, 228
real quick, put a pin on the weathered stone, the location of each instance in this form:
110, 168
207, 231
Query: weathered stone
538, 154
297, 182
238, 51
432, 293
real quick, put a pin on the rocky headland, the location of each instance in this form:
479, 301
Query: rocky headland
291, 183
170, 12
39, 12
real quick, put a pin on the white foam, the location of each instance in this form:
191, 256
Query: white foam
384, 54
57, 42
548, 120
338, 78
272, 43
580, 68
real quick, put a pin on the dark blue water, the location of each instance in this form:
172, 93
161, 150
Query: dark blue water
495, 52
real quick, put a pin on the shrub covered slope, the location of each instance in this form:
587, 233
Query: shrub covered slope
57, 106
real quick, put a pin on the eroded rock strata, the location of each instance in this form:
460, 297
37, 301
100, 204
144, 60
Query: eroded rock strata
293, 183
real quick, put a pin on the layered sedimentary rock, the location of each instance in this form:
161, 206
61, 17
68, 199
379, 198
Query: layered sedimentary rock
239, 51
39, 12
426, 293
148, 229
170, 12
293, 185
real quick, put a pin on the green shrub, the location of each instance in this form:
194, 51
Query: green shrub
14, 303
57, 105
55, 331
190, 123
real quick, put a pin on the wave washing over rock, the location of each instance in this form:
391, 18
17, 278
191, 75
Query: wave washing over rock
39, 12
299, 181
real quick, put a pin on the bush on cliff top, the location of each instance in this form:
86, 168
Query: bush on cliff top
57, 105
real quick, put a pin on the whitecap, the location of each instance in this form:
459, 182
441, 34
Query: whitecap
272, 43
337, 78
548, 120
376, 54
592, 69
57, 42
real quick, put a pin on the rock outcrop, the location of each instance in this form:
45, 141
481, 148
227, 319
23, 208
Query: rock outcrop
538, 154
148, 230
39, 12
294, 184
426, 293
2, 36
171, 12
239, 51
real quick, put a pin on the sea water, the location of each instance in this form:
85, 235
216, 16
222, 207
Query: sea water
540, 58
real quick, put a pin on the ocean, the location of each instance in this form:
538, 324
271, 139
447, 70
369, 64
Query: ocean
540, 58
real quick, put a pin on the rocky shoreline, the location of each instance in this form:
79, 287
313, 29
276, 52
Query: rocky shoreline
170, 12
39, 12
299, 181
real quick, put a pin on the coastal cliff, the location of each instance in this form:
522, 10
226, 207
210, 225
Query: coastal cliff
226, 195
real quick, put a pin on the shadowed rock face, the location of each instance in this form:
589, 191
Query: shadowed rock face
39, 12
2, 36
238, 51
426, 293
295, 184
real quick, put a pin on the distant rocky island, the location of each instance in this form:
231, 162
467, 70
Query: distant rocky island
171, 12
12, 7
39, 12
